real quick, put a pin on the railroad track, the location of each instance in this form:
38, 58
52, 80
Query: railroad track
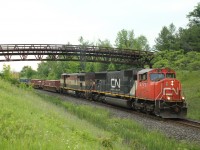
188, 122
184, 122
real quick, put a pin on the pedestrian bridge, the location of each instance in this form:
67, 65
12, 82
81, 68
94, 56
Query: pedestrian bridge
61, 52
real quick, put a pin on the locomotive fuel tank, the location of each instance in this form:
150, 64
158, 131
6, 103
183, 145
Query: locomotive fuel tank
119, 102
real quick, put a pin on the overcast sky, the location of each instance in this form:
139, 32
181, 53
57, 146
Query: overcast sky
63, 21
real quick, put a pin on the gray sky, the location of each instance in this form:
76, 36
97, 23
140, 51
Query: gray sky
62, 21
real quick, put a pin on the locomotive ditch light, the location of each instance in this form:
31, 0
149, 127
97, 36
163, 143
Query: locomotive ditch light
168, 98
183, 98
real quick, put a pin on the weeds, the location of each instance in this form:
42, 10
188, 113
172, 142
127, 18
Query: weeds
27, 121
190, 84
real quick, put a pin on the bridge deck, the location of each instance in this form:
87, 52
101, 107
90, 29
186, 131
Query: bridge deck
60, 52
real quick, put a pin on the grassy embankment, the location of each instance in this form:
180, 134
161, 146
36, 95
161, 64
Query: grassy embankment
191, 89
30, 121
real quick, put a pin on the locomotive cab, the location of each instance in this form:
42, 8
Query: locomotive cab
162, 92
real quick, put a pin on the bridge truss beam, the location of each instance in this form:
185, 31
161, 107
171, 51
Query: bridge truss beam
59, 52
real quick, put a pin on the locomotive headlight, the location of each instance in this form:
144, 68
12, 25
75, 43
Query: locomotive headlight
168, 98
183, 98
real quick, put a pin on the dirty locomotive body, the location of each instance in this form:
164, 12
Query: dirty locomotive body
155, 91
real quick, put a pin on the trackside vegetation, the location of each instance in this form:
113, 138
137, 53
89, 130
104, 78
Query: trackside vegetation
191, 89
29, 120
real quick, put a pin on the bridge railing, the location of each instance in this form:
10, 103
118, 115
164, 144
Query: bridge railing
73, 52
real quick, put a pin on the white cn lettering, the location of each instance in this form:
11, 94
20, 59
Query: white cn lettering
115, 83
172, 89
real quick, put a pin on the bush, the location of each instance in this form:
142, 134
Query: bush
177, 60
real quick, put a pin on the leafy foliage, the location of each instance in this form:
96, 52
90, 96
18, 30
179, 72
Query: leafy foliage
166, 39
126, 40
8, 75
27, 72
194, 16
187, 39
53, 70
177, 60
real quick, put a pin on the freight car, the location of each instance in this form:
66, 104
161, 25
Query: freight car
37, 83
25, 80
51, 85
155, 91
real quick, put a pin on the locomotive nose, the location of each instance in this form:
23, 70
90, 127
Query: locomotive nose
171, 90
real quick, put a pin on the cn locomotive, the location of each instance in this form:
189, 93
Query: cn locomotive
155, 91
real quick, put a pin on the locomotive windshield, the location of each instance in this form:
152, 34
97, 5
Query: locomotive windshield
170, 75
160, 76
157, 76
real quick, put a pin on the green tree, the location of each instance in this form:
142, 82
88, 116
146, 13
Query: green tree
189, 61
104, 43
126, 40
142, 43
190, 39
103, 66
167, 59
111, 67
7, 75
177, 60
43, 70
167, 39
59, 67
194, 16
27, 72
84, 44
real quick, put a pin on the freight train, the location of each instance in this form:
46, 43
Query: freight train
153, 91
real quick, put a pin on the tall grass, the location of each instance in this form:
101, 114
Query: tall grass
29, 122
191, 88
131, 133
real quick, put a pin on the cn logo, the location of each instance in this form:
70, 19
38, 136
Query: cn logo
166, 91
115, 83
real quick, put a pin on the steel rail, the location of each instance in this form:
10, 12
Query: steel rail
188, 122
